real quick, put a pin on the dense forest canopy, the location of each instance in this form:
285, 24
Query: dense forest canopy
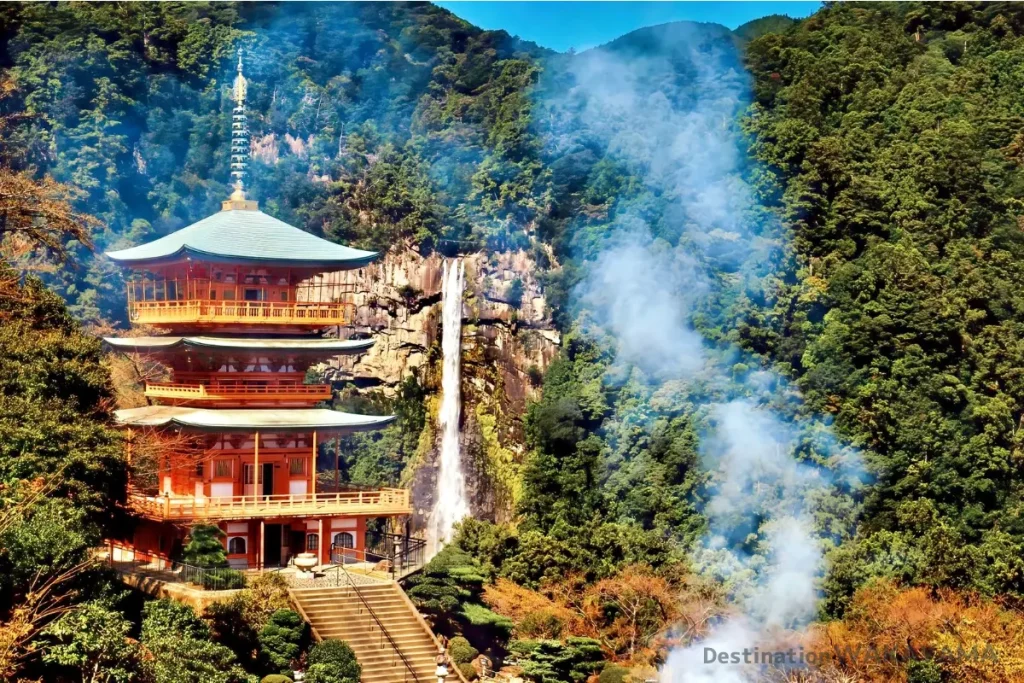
805, 234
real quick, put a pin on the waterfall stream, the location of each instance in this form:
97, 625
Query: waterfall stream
450, 504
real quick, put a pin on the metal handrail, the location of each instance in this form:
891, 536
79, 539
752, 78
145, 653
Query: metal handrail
401, 553
167, 569
384, 631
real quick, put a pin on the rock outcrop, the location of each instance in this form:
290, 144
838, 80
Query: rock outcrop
508, 342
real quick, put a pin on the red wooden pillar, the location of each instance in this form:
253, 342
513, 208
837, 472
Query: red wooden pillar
259, 548
320, 537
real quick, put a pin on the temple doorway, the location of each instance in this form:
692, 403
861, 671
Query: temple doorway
272, 545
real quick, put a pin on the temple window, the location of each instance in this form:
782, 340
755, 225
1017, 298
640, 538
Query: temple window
312, 542
222, 468
297, 466
344, 539
236, 546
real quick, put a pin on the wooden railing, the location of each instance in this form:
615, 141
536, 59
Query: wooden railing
234, 392
208, 311
374, 502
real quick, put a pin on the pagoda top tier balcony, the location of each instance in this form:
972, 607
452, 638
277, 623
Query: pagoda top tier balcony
239, 271
192, 295
382, 502
207, 312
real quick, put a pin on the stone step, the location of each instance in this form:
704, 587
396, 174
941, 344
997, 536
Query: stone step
352, 637
355, 605
338, 612
357, 616
373, 640
347, 590
396, 627
388, 657
362, 621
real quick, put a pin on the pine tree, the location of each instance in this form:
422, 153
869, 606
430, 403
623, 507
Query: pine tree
204, 547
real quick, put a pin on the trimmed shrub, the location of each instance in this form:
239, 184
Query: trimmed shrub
461, 651
281, 640
332, 658
275, 678
467, 670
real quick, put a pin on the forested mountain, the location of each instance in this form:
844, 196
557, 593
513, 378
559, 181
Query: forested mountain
372, 124
800, 237
902, 180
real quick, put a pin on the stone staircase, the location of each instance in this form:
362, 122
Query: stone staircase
337, 612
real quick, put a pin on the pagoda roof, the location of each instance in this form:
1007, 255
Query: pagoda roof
251, 419
246, 236
307, 344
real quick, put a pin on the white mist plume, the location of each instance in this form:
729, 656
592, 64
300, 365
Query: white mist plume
681, 138
653, 335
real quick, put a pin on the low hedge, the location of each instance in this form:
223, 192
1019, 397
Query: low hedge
222, 579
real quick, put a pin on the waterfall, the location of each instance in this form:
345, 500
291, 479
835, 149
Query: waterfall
450, 504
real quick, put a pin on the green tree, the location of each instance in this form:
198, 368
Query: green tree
193, 660
95, 640
553, 661
282, 640
449, 588
204, 547
166, 618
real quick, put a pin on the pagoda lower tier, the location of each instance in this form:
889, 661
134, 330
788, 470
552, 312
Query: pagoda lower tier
265, 543
253, 473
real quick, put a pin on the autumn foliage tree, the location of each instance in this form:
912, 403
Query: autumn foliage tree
889, 632
37, 216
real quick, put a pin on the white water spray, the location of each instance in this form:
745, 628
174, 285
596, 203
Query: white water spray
450, 504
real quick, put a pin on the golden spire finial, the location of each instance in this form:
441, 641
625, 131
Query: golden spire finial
241, 85
239, 144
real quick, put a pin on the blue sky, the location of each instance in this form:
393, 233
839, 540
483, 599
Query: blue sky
582, 25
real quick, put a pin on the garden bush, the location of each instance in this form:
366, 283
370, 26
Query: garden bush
336, 658
281, 640
461, 651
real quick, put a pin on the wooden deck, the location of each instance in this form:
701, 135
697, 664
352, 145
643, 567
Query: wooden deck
238, 392
375, 503
205, 311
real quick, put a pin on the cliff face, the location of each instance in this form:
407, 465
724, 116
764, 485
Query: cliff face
507, 343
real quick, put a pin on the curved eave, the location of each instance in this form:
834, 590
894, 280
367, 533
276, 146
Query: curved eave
187, 251
249, 420
333, 346
327, 347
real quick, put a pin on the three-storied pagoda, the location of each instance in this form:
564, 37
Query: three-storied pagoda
234, 294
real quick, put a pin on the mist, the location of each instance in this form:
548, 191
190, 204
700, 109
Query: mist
673, 122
